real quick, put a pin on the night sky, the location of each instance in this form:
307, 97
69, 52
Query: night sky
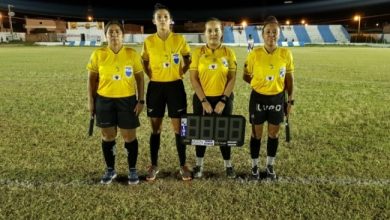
254, 11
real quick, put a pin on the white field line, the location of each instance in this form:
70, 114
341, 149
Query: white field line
281, 180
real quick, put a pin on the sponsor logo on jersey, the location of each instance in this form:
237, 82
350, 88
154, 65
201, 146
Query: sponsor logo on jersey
213, 66
269, 78
166, 65
116, 77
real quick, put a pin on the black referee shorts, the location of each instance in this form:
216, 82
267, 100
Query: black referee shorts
112, 112
213, 100
166, 94
266, 108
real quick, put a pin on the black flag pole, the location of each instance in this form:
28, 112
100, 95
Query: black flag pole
91, 124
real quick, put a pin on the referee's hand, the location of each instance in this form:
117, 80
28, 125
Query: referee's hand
207, 108
138, 108
219, 108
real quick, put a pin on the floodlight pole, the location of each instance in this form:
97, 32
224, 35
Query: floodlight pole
359, 25
1, 22
10, 20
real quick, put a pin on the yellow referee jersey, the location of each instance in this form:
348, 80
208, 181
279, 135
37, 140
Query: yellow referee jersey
165, 57
116, 71
268, 70
213, 67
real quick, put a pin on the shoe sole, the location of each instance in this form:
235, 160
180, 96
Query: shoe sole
186, 178
152, 178
133, 182
106, 183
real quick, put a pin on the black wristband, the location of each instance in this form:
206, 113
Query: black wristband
224, 99
204, 100
291, 102
141, 102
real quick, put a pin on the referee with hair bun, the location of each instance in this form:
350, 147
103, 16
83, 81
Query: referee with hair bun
269, 70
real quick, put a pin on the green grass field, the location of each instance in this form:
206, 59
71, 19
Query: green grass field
336, 167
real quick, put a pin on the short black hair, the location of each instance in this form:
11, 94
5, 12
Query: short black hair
159, 6
112, 22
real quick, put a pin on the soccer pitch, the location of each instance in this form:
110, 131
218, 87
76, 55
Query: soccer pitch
336, 167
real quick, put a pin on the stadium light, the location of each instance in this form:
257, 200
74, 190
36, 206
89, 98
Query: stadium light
303, 22
288, 22
357, 18
90, 18
244, 24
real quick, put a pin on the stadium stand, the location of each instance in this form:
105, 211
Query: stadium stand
326, 34
288, 34
291, 35
253, 31
228, 36
301, 33
340, 33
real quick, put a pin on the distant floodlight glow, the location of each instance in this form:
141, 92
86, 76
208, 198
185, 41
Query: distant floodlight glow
288, 22
356, 18
244, 24
303, 21
288, 2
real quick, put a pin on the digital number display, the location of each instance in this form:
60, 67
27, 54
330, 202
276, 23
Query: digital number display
213, 130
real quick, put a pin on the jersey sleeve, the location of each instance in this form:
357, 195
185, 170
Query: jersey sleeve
138, 67
248, 65
144, 52
232, 60
290, 62
93, 63
195, 59
185, 50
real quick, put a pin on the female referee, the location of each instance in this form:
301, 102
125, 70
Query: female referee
269, 70
166, 57
113, 72
213, 74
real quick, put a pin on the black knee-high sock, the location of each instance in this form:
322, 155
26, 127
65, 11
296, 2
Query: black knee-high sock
108, 148
226, 152
255, 147
181, 150
200, 150
154, 147
132, 153
272, 146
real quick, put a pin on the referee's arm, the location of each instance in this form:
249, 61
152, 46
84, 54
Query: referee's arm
93, 81
147, 70
289, 85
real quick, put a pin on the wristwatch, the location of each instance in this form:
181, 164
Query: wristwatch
224, 99
141, 102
